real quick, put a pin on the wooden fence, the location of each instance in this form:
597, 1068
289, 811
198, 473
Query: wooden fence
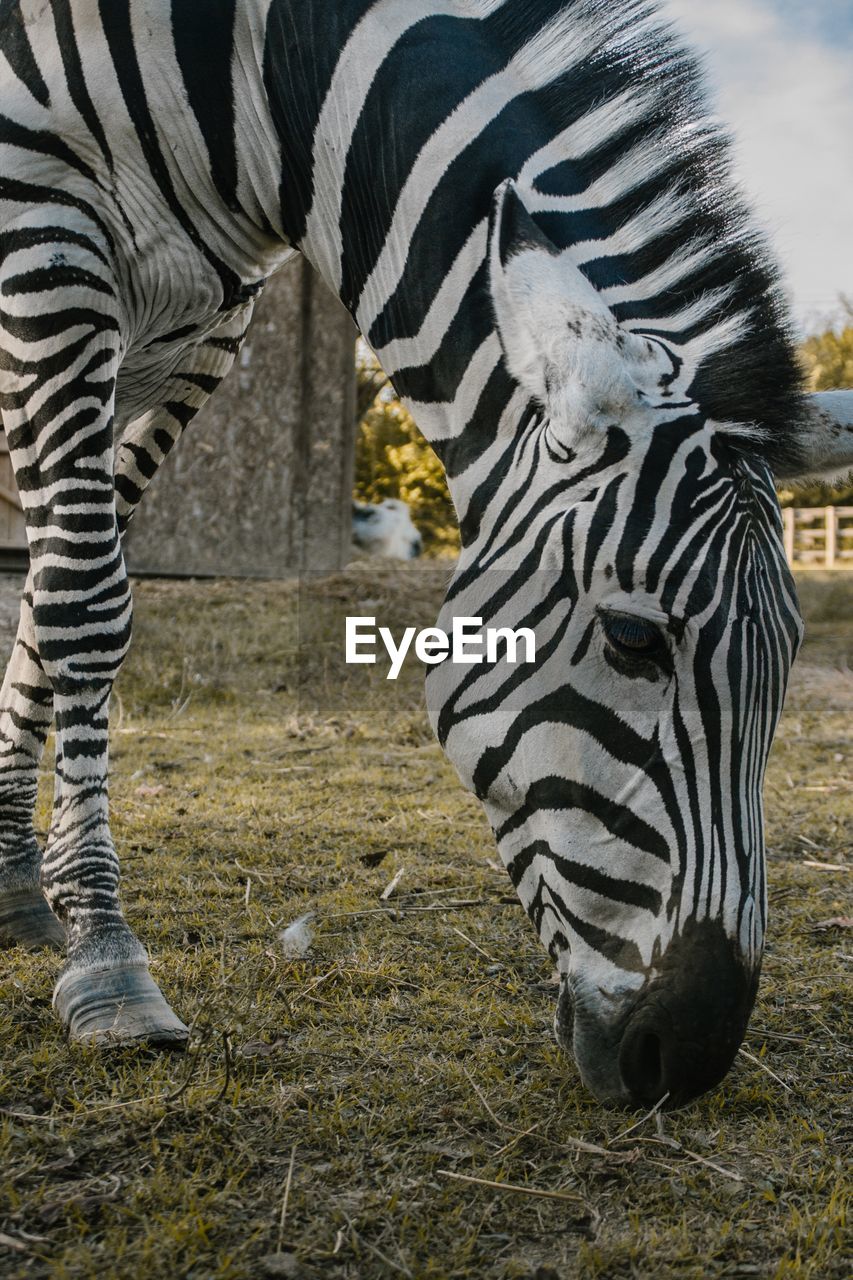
819, 537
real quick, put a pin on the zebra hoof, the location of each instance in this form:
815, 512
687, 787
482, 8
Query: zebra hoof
27, 921
115, 1007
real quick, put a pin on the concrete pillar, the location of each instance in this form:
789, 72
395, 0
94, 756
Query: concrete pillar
261, 483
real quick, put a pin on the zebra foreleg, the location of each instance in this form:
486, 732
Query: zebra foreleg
60, 328
26, 699
82, 620
123, 1002
104, 992
26, 712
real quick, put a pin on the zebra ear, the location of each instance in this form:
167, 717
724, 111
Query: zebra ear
825, 440
559, 338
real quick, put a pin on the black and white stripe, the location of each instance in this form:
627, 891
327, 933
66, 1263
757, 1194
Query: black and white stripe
542, 244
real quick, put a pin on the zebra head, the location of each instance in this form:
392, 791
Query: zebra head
622, 771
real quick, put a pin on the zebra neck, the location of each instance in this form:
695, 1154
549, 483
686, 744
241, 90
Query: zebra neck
365, 191
417, 111
398, 119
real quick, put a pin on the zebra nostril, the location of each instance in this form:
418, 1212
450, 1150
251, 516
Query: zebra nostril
641, 1065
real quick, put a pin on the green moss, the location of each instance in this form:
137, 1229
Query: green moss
398, 1051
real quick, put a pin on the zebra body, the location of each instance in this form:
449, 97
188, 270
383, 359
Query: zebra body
548, 257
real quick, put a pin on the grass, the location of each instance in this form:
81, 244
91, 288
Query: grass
344, 1115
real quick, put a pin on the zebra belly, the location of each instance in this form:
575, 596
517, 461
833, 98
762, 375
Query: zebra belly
150, 373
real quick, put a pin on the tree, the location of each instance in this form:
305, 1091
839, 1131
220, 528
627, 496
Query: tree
393, 460
828, 357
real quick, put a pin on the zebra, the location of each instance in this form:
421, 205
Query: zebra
548, 255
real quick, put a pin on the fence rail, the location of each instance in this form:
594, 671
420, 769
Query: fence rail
819, 537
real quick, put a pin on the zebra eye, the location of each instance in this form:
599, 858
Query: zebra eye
632, 636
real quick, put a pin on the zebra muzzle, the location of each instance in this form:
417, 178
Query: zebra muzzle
678, 1036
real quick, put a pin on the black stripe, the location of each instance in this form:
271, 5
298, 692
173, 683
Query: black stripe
41, 142
667, 439
15, 44
613, 888
66, 38
620, 951
204, 44
459, 53
559, 793
565, 706
303, 43
478, 435
600, 526
115, 16
31, 193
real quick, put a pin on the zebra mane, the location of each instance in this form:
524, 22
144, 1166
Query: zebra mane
636, 185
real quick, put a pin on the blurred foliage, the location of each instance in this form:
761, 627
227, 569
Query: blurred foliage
828, 361
828, 356
393, 460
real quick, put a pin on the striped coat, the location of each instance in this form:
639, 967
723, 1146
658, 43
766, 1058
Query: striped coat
528, 212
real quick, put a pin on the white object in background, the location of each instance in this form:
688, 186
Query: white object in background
385, 529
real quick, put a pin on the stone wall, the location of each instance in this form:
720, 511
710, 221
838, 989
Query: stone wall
261, 483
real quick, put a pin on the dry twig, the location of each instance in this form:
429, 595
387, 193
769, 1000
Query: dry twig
693, 1155
392, 884
655, 1109
472, 943
513, 1187
765, 1068
285, 1198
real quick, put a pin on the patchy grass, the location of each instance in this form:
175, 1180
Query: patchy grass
314, 1128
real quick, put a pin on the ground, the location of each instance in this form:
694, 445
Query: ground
348, 1114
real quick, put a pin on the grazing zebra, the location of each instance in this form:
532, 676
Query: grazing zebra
527, 210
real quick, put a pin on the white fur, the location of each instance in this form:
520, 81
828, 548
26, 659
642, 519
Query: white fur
296, 939
562, 343
385, 530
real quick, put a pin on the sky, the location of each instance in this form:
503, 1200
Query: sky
781, 77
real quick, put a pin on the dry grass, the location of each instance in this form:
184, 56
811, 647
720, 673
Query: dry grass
394, 1104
